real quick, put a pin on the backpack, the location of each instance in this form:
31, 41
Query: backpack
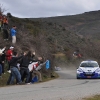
35, 79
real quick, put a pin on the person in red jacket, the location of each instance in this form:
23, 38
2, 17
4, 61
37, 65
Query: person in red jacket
9, 54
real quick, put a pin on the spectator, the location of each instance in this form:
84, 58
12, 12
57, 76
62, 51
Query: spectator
0, 64
77, 54
5, 34
26, 60
14, 69
3, 61
37, 67
13, 34
1, 52
9, 56
5, 22
34, 59
5, 27
33, 54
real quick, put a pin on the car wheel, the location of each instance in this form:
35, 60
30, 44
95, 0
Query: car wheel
77, 77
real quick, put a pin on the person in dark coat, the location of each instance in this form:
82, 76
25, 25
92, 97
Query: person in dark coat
1, 52
5, 34
26, 60
3, 57
14, 69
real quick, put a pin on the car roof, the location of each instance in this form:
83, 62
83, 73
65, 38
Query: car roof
89, 61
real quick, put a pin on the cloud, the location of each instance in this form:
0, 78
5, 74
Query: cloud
48, 8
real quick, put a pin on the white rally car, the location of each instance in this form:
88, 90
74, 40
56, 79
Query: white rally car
88, 69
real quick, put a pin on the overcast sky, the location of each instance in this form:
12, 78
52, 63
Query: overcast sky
48, 8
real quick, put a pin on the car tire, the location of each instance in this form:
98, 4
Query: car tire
77, 77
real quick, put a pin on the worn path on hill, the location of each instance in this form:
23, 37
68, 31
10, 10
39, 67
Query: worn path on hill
66, 87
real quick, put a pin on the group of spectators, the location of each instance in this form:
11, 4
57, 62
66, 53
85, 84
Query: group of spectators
8, 33
24, 67
77, 54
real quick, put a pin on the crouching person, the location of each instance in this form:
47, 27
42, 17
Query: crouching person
36, 70
14, 69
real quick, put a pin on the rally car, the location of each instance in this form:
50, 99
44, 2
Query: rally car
88, 69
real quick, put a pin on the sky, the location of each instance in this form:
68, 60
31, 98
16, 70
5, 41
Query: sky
48, 8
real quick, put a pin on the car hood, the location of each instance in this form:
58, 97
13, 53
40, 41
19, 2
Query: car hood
88, 69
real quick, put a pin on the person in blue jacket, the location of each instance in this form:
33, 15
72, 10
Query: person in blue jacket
13, 34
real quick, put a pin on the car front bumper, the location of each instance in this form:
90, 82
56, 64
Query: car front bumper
85, 76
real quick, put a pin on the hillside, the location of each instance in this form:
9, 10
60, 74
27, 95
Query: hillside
84, 32
56, 38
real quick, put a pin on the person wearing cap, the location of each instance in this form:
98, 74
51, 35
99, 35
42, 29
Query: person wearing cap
9, 56
13, 34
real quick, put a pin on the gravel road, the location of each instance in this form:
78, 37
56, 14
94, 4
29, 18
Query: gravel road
66, 87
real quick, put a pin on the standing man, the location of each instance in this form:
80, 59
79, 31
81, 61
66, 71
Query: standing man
13, 34
3, 57
26, 60
14, 69
5, 22
9, 54
1, 52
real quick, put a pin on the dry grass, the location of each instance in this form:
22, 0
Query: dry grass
97, 97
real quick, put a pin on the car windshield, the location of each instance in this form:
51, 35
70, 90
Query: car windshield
89, 64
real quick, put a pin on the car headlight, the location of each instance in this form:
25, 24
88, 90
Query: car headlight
97, 70
79, 70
